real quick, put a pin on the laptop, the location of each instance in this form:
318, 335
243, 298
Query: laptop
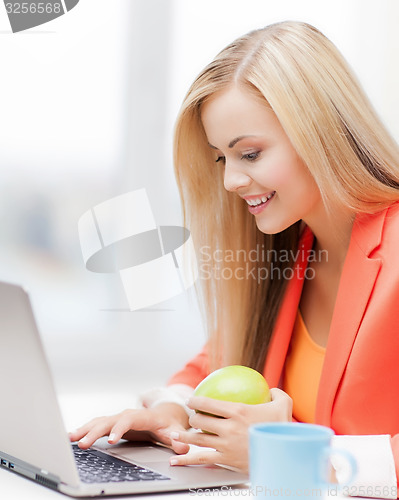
34, 441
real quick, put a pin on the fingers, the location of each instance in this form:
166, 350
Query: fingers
196, 438
224, 409
117, 431
124, 424
210, 425
278, 409
283, 404
89, 433
201, 458
179, 448
277, 394
82, 431
129, 424
171, 438
226, 439
76, 434
114, 427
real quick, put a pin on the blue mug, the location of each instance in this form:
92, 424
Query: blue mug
292, 460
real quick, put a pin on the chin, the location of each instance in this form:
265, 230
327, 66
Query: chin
270, 228
267, 226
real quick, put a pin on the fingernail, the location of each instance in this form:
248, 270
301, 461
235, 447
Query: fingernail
111, 437
173, 461
83, 440
188, 402
174, 435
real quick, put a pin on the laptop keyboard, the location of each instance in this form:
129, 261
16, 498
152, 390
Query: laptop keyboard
97, 467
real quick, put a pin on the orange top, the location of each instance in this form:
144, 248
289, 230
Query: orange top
302, 372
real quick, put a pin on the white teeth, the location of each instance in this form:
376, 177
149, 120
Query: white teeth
258, 201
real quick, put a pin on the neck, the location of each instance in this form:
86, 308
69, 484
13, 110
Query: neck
332, 232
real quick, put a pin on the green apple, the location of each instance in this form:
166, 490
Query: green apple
235, 383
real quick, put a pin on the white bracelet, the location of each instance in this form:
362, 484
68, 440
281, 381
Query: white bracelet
176, 393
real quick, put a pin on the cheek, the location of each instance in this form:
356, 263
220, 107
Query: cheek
284, 175
274, 172
279, 177
293, 177
306, 185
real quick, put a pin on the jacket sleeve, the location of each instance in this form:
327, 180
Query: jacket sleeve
377, 465
194, 371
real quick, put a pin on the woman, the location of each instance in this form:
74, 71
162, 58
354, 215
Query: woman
278, 150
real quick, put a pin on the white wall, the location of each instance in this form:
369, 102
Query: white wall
88, 104
366, 31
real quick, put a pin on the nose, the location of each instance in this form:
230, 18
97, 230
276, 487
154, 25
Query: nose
235, 178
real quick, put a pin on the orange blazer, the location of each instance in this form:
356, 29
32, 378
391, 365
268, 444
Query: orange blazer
359, 385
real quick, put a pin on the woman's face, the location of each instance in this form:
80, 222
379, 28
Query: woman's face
259, 162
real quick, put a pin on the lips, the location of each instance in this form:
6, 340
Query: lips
257, 203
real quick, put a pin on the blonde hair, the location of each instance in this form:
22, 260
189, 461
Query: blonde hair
334, 129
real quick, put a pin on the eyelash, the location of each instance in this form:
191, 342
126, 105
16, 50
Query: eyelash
249, 157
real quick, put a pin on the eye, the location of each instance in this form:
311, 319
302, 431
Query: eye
220, 158
251, 156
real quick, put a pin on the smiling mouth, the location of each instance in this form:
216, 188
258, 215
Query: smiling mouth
255, 202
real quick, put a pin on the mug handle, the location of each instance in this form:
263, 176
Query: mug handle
348, 457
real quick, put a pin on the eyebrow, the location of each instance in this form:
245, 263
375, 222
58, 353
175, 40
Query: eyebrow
238, 139
234, 141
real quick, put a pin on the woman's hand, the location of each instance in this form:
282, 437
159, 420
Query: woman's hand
153, 424
228, 436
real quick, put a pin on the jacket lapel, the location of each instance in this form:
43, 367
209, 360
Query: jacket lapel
358, 277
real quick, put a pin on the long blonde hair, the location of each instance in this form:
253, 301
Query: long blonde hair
336, 132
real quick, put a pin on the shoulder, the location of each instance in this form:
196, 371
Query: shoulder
378, 234
390, 233
392, 215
